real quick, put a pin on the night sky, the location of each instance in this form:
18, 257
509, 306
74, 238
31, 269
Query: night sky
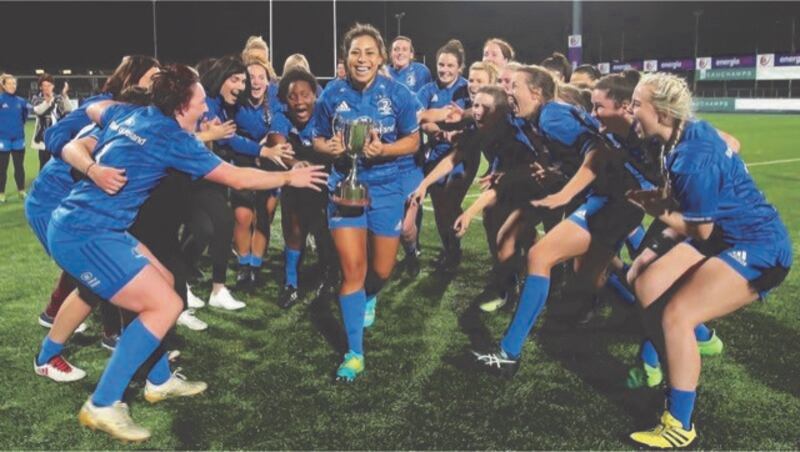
94, 35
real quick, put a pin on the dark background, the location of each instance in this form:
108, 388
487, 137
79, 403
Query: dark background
95, 35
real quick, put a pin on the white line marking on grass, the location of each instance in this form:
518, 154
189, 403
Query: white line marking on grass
772, 162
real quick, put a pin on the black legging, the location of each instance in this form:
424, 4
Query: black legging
156, 226
447, 201
210, 225
19, 168
44, 157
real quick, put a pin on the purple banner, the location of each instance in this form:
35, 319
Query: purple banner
734, 62
619, 67
575, 50
787, 59
676, 65
574, 56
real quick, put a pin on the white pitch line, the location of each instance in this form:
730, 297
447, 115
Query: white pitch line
772, 162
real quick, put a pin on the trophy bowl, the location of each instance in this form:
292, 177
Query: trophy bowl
350, 192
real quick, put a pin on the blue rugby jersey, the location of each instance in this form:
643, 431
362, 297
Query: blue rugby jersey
433, 95
239, 144
390, 104
145, 143
13, 113
710, 182
57, 136
414, 76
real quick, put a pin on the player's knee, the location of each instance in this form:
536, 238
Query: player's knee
676, 318
244, 216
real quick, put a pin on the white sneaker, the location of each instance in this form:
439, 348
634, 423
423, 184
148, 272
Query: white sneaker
188, 320
58, 369
224, 300
114, 420
176, 386
193, 300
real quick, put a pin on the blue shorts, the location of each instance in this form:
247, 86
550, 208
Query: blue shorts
384, 214
38, 224
103, 261
609, 221
590, 207
12, 145
751, 260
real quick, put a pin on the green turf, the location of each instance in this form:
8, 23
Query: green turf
270, 371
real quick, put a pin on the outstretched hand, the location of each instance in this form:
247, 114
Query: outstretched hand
313, 177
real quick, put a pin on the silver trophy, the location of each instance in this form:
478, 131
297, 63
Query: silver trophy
355, 134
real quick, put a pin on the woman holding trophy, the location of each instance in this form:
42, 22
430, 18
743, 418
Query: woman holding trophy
372, 119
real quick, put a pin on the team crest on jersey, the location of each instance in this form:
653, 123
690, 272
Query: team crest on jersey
343, 107
411, 79
5, 105
384, 106
435, 98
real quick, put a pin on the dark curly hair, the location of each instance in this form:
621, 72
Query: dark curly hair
292, 76
173, 88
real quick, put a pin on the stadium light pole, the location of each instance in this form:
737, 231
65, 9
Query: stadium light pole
155, 32
697, 14
399, 16
335, 38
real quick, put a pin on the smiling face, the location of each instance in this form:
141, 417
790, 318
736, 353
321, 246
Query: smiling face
232, 87
647, 117
300, 100
47, 88
525, 101
483, 108
191, 114
401, 54
477, 78
493, 54
10, 86
258, 81
363, 61
614, 116
447, 68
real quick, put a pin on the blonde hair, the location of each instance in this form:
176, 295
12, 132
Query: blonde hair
257, 49
669, 95
296, 60
3, 79
489, 68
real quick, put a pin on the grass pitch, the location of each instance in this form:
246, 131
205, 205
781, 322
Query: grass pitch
270, 371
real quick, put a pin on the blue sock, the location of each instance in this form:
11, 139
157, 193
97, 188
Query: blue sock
531, 302
256, 261
135, 345
291, 259
620, 289
160, 372
634, 240
649, 354
244, 259
48, 351
353, 316
681, 404
702, 333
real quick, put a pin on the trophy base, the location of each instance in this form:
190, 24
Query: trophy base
338, 200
